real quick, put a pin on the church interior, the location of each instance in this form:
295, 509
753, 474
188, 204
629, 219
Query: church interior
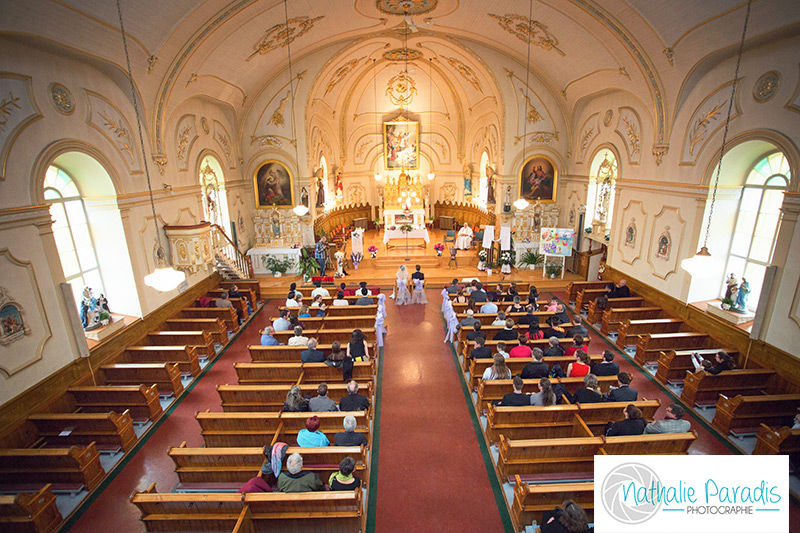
171, 171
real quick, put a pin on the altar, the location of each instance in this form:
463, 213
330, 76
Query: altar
398, 217
260, 254
396, 234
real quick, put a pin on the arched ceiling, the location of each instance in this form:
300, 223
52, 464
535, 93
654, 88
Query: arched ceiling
232, 51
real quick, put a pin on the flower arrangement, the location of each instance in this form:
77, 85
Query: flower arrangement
505, 262
406, 228
373, 251
482, 256
439, 247
392, 228
323, 279
356, 258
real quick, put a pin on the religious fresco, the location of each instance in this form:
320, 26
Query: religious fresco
401, 145
538, 179
273, 185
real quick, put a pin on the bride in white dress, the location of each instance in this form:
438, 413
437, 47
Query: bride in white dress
464, 239
403, 296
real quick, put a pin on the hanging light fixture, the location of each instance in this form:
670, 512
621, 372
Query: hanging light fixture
300, 209
702, 264
521, 203
163, 278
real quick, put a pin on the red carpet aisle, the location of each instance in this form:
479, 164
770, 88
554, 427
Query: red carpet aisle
113, 511
430, 475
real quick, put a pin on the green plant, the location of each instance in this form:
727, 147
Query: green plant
728, 301
553, 271
279, 265
308, 266
406, 228
531, 259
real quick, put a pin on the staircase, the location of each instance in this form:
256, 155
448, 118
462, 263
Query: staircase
229, 261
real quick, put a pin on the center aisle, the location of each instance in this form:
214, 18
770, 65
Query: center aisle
431, 474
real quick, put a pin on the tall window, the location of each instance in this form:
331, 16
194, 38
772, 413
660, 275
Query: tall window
71, 231
602, 181
483, 185
757, 222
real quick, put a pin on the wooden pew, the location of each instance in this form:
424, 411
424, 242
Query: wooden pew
221, 430
658, 444
165, 376
531, 422
327, 336
337, 322
227, 469
271, 397
648, 347
30, 512
226, 314
288, 354
465, 347
201, 340
70, 468
461, 308
487, 318
215, 326
107, 430
597, 415
330, 423
673, 364
571, 457
247, 293
702, 388
185, 356
516, 364
252, 285
330, 511
629, 330
266, 373
339, 311
574, 287
141, 400
587, 295
614, 317
238, 305
743, 414
495, 389
531, 501
595, 313
777, 441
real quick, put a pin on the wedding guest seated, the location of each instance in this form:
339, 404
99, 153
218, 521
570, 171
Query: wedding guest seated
282, 322
363, 290
508, 333
545, 397
317, 301
346, 291
303, 312
353, 401
516, 306
581, 366
516, 398
298, 339
469, 321
349, 437
479, 295
623, 393
344, 478
589, 393
620, 290
510, 293
501, 350
500, 320
293, 288
311, 436
364, 299
291, 300
453, 287
633, 424
337, 356
321, 402
476, 332
295, 401
529, 318
480, 351
233, 292
472, 287
561, 315
533, 297
578, 328
489, 307
319, 290
552, 306
536, 368
722, 362
499, 370
266, 337
554, 349
672, 422
340, 300
461, 296
577, 344
555, 329
606, 367
534, 333
322, 310
312, 355
254, 484
522, 349
294, 479
569, 518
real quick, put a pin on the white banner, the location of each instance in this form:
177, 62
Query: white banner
688, 493
488, 236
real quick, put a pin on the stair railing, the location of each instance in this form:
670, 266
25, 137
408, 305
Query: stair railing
224, 244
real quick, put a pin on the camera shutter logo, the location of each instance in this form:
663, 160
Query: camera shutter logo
614, 502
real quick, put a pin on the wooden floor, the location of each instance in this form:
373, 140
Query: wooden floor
438, 270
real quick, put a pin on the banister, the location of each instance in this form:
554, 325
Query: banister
242, 260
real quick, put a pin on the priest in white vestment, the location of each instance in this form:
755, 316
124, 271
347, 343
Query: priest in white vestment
464, 239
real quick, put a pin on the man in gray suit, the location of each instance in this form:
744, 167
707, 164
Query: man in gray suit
672, 422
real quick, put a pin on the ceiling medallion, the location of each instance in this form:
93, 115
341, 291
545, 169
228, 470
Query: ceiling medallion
401, 89
528, 31
766, 86
62, 98
281, 35
204, 125
401, 7
607, 118
401, 55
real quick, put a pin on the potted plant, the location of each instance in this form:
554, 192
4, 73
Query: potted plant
505, 262
727, 303
308, 266
373, 251
278, 267
482, 256
439, 247
553, 271
531, 259
377, 223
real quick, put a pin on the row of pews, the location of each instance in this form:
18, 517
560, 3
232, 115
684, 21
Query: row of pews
252, 415
58, 450
747, 401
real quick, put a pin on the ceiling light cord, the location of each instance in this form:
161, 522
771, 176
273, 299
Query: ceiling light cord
291, 84
527, 78
727, 124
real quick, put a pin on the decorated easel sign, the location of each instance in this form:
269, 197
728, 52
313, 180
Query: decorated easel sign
556, 242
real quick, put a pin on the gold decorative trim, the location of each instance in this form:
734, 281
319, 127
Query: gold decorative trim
636, 246
528, 31
35, 114
794, 102
115, 129
699, 130
276, 37
674, 246
397, 7
61, 99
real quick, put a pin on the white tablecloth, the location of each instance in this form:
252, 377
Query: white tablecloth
389, 235
260, 254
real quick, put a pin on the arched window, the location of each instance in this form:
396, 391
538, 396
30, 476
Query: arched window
757, 222
602, 181
212, 182
72, 233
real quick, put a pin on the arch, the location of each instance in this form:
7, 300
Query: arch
604, 163
211, 178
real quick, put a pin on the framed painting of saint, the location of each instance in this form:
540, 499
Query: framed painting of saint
538, 179
401, 144
273, 185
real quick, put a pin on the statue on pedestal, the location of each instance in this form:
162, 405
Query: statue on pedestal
732, 284
742, 295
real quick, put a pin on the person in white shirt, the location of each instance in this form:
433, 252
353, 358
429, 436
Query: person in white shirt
363, 291
298, 339
464, 239
317, 301
501, 349
282, 323
499, 370
320, 290
500, 320
290, 300
340, 300
489, 307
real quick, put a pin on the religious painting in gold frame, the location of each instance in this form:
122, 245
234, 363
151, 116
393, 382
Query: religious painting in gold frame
538, 179
401, 145
272, 183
